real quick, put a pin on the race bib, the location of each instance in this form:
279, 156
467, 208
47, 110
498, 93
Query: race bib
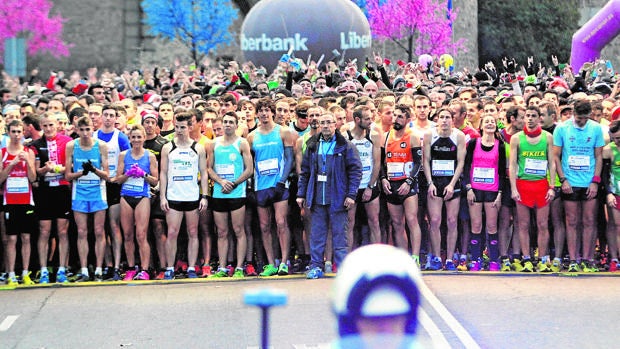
535, 167
579, 162
484, 175
17, 184
267, 167
225, 171
53, 179
443, 168
134, 184
90, 179
395, 169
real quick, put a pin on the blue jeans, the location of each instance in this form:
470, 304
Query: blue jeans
322, 221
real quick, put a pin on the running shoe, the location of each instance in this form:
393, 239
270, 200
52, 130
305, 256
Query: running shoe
493, 266
191, 274
142, 275
283, 269
130, 275
436, 264
61, 277
220, 273
528, 267
12, 281
573, 267
238, 274
314, 273
329, 267
206, 271
82, 277
543, 267
45, 277
613, 266
556, 265
517, 266
116, 275
506, 266
4, 276
160, 275
462, 265
589, 267
474, 266
450, 265
99, 277
26, 280
249, 270
169, 275
269, 270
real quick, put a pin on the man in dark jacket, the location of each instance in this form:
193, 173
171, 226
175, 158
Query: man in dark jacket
331, 172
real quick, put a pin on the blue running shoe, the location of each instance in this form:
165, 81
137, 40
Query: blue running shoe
169, 275
61, 277
191, 274
314, 273
435, 264
450, 265
45, 277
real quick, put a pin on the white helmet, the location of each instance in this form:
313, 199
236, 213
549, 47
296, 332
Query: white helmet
374, 281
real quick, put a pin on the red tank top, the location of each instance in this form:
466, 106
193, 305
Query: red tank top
17, 187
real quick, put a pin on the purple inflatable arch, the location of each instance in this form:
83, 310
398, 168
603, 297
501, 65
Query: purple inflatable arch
595, 34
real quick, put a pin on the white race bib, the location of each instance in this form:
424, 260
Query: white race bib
443, 168
579, 162
53, 179
267, 167
395, 169
17, 184
484, 175
89, 179
134, 184
225, 171
535, 167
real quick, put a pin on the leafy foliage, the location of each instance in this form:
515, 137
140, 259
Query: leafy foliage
425, 25
519, 29
201, 25
31, 19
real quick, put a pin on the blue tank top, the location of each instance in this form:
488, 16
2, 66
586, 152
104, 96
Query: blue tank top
136, 187
269, 158
89, 187
228, 164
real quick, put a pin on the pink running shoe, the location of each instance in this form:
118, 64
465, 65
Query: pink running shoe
130, 274
143, 275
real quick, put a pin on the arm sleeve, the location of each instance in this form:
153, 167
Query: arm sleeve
385, 78
289, 80
502, 166
289, 161
416, 152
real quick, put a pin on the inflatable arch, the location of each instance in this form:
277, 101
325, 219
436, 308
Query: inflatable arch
595, 34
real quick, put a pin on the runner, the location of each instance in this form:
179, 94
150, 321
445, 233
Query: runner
86, 164
444, 157
181, 161
17, 172
229, 164
137, 172
531, 161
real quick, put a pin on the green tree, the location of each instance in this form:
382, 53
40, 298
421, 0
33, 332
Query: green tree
523, 28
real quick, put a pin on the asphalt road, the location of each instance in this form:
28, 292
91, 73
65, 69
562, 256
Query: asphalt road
458, 311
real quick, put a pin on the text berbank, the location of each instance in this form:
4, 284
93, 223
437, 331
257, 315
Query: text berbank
350, 40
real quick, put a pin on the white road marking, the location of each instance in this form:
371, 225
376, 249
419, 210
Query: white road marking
439, 341
8, 322
448, 318
317, 346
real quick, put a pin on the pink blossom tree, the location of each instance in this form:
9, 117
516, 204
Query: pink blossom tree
424, 25
31, 19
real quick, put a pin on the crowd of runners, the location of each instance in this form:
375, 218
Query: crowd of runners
230, 171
